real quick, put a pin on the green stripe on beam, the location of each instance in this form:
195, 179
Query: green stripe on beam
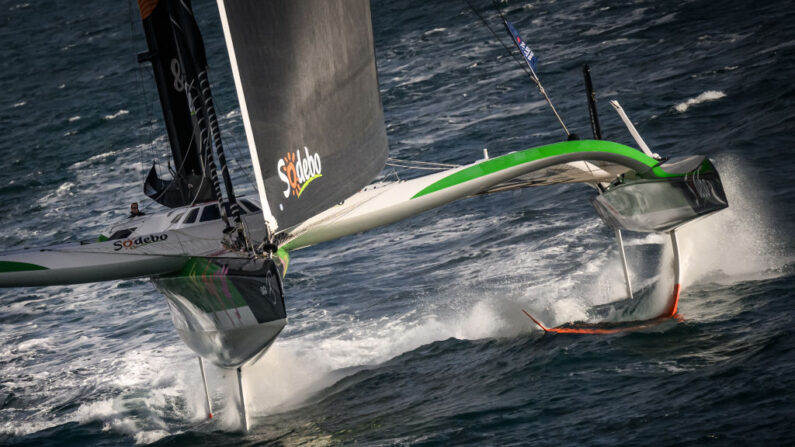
538, 153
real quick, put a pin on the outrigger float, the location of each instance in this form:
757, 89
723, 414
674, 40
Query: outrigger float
317, 139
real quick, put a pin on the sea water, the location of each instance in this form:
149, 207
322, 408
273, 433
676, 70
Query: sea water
414, 333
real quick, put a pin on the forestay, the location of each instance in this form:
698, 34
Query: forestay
306, 80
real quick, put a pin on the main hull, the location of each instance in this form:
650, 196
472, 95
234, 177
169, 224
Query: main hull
149, 245
227, 310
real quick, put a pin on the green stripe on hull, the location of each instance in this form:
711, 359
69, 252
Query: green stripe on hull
10, 266
207, 286
538, 153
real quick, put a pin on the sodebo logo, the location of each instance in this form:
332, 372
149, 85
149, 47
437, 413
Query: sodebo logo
297, 172
138, 242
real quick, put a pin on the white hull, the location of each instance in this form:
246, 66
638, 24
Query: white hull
151, 245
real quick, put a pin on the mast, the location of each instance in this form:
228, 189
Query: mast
190, 181
191, 49
179, 61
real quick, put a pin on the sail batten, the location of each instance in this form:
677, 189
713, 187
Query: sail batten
306, 80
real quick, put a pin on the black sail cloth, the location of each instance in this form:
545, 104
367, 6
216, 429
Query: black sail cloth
306, 79
190, 181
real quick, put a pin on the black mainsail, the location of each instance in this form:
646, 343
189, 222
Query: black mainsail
308, 89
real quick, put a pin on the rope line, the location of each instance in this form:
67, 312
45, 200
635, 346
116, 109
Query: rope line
420, 165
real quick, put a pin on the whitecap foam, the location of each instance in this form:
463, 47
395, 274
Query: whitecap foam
64, 190
434, 31
117, 114
709, 95
743, 242
114, 416
93, 159
332, 345
148, 386
295, 368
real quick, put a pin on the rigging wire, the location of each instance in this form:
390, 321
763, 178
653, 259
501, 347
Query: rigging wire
146, 103
535, 76
507, 50
524, 67
425, 163
140, 78
236, 153
419, 165
233, 146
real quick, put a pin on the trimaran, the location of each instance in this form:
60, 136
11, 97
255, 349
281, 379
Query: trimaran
306, 81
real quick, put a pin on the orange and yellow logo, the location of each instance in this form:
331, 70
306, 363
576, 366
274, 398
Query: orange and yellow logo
297, 172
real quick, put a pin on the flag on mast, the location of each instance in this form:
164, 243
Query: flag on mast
526, 51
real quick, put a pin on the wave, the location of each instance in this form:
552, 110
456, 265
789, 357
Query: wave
745, 242
434, 31
709, 95
93, 159
117, 114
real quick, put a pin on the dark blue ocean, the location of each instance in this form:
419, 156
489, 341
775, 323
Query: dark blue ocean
413, 334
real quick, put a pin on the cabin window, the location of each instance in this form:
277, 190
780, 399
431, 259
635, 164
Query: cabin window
209, 213
251, 207
191, 216
121, 234
176, 219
